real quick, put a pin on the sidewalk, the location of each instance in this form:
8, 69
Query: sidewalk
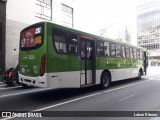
153, 70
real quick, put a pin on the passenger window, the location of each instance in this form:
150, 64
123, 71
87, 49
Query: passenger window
65, 42
134, 52
141, 54
100, 48
72, 43
113, 50
106, 49
123, 52
60, 41
131, 52
118, 51
138, 54
127, 52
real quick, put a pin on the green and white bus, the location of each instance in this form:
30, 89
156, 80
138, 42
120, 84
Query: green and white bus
54, 56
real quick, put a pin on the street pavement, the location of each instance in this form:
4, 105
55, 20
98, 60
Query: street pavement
128, 95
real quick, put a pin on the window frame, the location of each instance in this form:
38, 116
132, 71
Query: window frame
102, 48
123, 51
111, 50
127, 51
37, 25
66, 41
104, 41
134, 53
42, 7
64, 12
119, 50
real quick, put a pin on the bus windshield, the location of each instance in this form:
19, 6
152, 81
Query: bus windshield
31, 37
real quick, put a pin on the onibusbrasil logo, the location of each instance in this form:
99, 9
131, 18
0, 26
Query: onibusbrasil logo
21, 114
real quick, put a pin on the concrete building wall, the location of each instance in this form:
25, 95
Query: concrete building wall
19, 14
2, 35
22, 13
13, 29
148, 29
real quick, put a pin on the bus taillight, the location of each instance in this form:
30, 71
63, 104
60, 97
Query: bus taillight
43, 63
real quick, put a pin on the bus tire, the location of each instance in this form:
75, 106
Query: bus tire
25, 86
105, 80
9, 84
139, 75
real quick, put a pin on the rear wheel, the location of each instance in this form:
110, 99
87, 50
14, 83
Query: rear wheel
25, 86
105, 80
9, 84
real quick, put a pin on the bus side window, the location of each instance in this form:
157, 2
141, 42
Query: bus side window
72, 42
60, 41
138, 53
106, 49
113, 50
118, 50
131, 52
100, 48
127, 52
134, 53
123, 52
141, 54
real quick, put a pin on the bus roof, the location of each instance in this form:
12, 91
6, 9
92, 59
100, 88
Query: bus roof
88, 34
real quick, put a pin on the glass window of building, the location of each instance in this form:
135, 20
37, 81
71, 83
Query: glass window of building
44, 9
67, 15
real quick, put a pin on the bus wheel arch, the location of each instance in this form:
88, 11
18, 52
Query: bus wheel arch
141, 70
105, 79
140, 73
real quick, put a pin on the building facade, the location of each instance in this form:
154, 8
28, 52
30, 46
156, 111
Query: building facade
2, 34
117, 31
28, 12
148, 29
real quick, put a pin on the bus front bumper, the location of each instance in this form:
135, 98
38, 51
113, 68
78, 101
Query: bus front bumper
33, 81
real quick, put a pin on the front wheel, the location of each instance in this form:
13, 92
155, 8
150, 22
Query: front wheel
105, 80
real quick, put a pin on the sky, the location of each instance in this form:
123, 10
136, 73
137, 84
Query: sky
99, 14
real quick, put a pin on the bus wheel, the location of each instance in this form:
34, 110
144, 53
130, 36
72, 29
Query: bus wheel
105, 80
25, 86
139, 75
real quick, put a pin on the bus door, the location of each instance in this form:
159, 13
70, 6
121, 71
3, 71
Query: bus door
88, 62
145, 61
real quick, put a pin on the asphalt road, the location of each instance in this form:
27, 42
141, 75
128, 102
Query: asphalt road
128, 95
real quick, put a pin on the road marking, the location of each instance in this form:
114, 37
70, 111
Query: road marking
10, 87
67, 102
156, 84
59, 104
2, 85
24, 92
52, 106
126, 86
127, 97
52, 88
